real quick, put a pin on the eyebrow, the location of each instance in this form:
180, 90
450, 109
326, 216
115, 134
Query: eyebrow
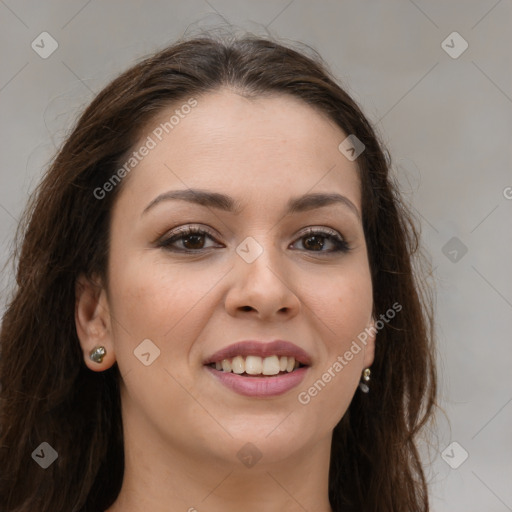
226, 203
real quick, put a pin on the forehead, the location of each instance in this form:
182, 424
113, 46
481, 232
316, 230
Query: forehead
268, 147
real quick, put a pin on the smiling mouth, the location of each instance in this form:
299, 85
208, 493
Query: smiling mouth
255, 366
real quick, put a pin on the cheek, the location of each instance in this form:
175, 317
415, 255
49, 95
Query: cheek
344, 302
343, 314
343, 308
157, 299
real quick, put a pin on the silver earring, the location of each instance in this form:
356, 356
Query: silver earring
363, 386
97, 354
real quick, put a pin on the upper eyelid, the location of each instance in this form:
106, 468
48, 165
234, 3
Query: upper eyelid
183, 229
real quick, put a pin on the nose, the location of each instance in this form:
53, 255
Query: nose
263, 287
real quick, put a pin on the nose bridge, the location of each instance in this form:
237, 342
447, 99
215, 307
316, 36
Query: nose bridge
261, 281
259, 254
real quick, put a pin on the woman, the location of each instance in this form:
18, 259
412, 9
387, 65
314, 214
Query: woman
213, 262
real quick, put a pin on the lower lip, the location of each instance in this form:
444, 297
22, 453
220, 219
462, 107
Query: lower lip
260, 386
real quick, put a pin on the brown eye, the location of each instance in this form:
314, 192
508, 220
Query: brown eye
193, 241
314, 241
191, 238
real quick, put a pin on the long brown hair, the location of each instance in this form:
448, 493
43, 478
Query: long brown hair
47, 392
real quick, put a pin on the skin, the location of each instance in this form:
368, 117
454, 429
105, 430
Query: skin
182, 428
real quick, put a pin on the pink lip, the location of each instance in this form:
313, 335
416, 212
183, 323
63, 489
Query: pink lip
261, 349
261, 387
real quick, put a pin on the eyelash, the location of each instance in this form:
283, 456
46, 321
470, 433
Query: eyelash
339, 243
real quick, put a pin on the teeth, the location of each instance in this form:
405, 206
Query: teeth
255, 365
238, 364
271, 365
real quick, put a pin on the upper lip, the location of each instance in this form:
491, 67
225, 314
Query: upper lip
261, 349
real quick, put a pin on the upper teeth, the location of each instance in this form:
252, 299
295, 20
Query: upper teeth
255, 365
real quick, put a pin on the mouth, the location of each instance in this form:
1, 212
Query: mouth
258, 369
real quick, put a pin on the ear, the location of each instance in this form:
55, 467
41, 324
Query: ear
92, 319
369, 352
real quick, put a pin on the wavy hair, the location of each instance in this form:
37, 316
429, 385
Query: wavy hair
47, 392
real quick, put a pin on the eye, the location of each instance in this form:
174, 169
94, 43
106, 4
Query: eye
192, 240
312, 239
189, 236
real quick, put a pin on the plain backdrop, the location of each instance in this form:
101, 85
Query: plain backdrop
443, 110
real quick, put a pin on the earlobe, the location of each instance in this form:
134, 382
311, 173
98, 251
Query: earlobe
92, 321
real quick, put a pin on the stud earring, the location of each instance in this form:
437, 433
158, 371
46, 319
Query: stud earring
363, 386
97, 354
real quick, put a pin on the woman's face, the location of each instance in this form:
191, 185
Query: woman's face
256, 274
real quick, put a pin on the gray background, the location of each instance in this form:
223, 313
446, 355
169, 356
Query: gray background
447, 124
